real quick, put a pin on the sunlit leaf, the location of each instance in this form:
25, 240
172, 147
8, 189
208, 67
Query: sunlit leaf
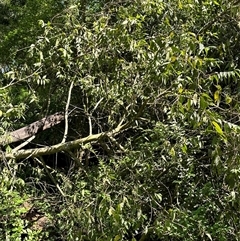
217, 96
217, 128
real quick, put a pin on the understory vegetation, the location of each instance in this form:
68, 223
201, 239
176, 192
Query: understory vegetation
119, 120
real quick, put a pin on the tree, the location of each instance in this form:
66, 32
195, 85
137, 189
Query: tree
149, 91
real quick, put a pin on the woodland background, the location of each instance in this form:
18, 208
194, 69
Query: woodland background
119, 120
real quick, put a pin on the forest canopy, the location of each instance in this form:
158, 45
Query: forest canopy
119, 120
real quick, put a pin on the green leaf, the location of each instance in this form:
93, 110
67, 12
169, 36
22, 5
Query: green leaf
203, 103
117, 238
217, 96
172, 152
228, 99
217, 128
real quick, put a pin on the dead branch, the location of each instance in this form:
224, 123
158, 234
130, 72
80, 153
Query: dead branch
37, 152
66, 113
32, 129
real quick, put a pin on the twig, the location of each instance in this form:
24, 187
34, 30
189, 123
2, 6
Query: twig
66, 113
117, 144
41, 161
24, 143
95, 107
90, 124
89, 115
13, 83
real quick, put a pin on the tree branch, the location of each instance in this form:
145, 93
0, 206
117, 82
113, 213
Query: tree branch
36, 152
24, 143
66, 113
32, 129
41, 161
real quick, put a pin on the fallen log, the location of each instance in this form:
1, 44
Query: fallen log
32, 129
67, 146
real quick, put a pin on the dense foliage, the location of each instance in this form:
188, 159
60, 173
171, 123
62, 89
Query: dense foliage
149, 148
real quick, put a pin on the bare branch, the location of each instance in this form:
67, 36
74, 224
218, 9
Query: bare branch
66, 113
95, 107
90, 124
65, 147
41, 161
23, 144
36, 152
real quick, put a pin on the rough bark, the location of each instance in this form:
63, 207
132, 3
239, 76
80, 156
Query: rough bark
32, 129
